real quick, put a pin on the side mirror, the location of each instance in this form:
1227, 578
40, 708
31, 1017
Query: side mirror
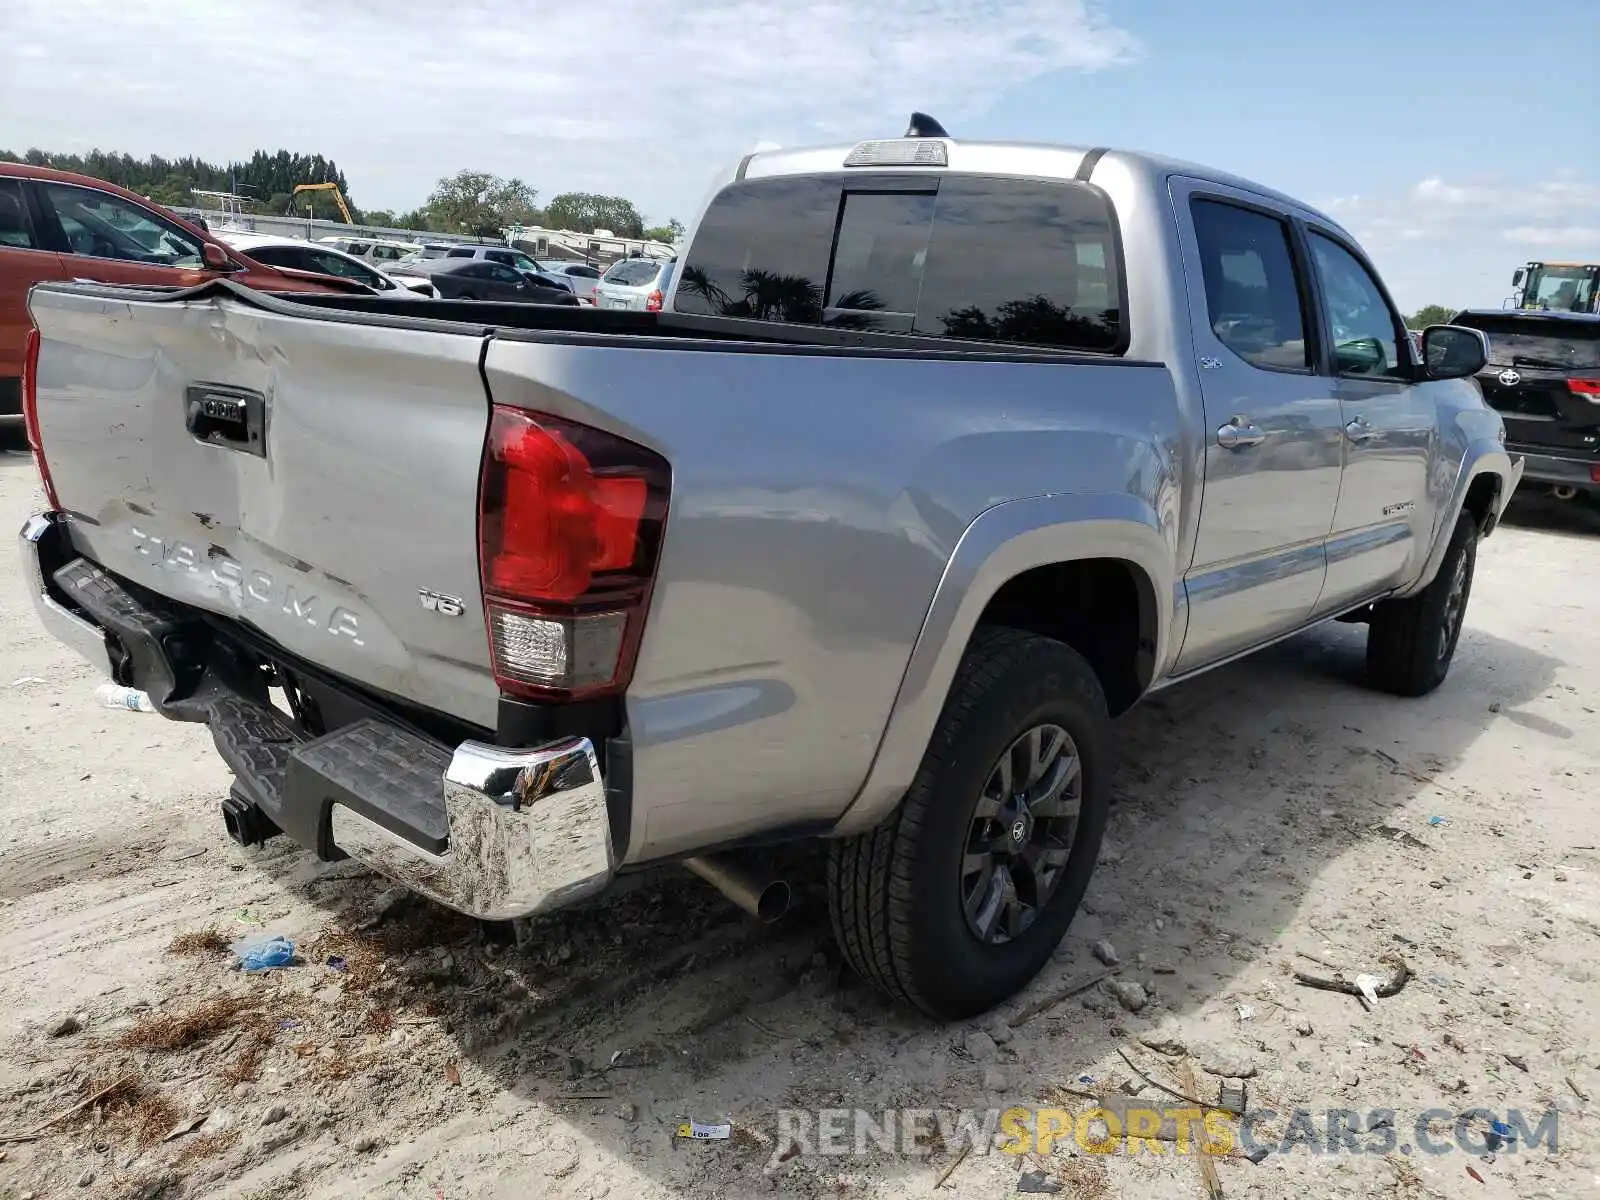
1518, 276
1453, 351
215, 257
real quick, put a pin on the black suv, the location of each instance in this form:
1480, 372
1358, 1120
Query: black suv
1543, 377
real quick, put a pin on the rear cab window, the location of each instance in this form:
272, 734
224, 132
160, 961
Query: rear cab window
955, 256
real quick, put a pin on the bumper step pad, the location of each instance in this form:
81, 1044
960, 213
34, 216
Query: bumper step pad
389, 776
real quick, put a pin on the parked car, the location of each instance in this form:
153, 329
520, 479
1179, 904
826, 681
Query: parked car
1543, 377
581, 277
481, 279
324, 260
634, 283
867, 536
516, 260
376, 250
56, 225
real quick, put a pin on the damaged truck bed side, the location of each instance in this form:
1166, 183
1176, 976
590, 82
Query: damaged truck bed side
943, 455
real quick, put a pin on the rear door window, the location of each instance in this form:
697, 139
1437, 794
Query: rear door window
1253, 295
982, 257
16, 228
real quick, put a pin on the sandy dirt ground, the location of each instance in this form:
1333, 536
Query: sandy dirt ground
1272, 817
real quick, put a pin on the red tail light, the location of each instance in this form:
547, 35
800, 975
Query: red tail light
1589, 389
30, 414
569, 531
653, 301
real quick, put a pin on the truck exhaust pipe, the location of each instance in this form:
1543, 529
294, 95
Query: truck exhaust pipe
1563, 491
764, 899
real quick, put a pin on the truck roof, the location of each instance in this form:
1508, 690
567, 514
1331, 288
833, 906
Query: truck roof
1039, 160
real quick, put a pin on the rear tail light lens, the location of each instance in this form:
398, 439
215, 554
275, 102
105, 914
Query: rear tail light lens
570, 525
1589, 389
30, 414
653, 301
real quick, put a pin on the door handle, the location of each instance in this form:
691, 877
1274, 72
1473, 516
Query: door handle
1238, 433
233, 418
1358, 430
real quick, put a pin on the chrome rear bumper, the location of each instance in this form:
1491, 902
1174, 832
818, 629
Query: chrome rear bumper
496, 833
529, 832
66, 626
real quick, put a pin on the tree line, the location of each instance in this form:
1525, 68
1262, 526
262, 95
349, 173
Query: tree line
468, 201
1430, 314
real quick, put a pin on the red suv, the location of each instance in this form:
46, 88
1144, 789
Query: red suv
56, 225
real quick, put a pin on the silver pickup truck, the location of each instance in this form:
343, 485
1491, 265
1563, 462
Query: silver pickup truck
942, 455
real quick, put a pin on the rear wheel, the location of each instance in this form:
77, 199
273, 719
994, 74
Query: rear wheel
1411, 642
959, 898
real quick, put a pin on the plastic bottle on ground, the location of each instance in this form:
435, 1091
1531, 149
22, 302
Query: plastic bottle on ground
115, 696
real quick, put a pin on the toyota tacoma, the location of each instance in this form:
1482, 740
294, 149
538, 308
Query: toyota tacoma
940, 455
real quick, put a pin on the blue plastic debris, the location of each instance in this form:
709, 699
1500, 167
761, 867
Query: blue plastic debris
336, 962
1438, 820
264, 953
1499, 1135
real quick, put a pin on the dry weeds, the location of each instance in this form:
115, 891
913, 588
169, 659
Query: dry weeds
246, 1064
132, 1108
1085, 1178
199, 943
166, 1032
206, 1146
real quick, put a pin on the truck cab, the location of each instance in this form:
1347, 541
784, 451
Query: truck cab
1557, 287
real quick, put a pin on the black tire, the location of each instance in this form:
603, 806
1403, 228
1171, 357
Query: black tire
1411, 642
896, 893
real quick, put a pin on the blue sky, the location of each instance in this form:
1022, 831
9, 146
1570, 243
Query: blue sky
1351, 106
1455, 138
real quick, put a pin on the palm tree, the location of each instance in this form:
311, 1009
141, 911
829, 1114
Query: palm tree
696, 282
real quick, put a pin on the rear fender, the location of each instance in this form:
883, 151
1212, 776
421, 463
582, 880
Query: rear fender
1003, 542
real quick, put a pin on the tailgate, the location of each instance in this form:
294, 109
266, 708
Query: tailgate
315, 479
1540, 408
1543, 377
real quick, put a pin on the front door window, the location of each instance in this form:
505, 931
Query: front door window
100, 225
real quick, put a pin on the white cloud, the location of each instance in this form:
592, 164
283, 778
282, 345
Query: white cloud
1561, 235
640, 97
1456, 242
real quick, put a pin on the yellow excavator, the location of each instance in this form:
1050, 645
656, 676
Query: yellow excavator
338, 197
